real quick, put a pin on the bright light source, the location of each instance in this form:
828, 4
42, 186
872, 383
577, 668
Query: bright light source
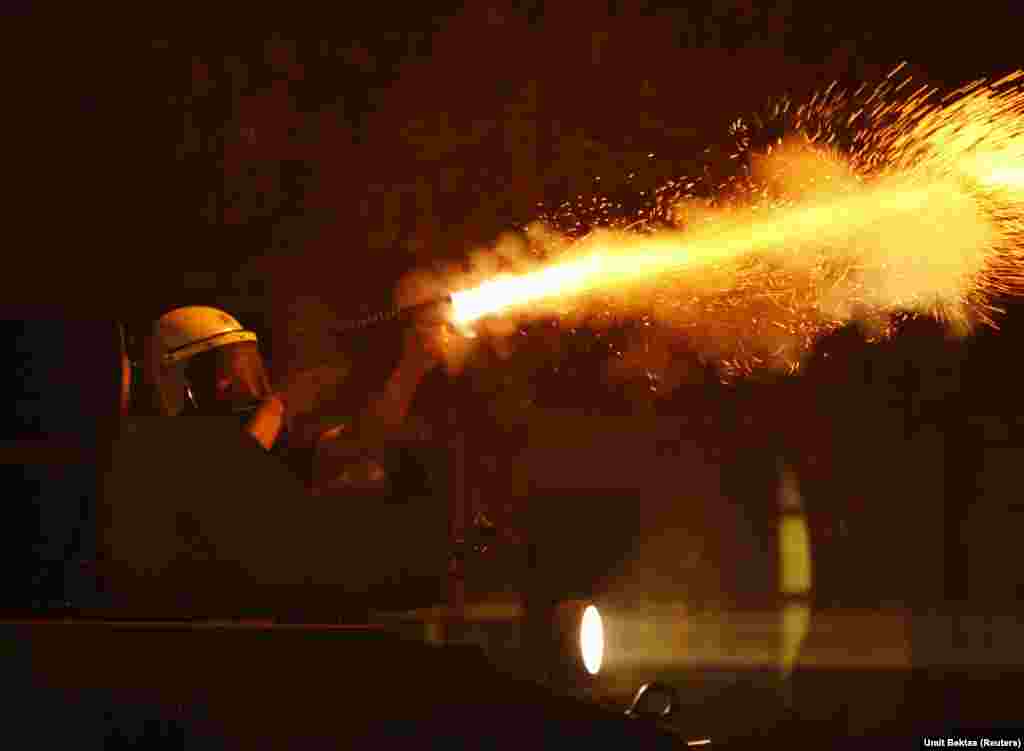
592, 639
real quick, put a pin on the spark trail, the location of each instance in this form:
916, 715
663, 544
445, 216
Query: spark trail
872, 202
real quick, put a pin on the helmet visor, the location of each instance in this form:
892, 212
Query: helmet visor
228, 379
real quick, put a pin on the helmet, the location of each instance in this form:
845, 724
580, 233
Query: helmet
180, 335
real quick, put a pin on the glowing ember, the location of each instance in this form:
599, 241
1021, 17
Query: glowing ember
872, 204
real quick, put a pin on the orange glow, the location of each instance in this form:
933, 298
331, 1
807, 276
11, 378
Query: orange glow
921, 211
618, 260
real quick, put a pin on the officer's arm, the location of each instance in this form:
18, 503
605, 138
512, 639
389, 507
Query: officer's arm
266, 423
387, 409
348, 448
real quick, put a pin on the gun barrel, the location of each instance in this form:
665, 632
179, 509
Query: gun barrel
404, 316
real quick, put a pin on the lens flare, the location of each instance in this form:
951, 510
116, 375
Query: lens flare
869, 203
592, 640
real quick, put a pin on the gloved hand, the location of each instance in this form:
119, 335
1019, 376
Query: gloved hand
266, 423
345, 460
304, 391
424, 346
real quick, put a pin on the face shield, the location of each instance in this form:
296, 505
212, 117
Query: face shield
227, 380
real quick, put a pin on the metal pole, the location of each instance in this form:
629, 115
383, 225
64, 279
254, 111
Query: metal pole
406, 316
458, 525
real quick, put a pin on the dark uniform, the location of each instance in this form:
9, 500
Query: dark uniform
203, 522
